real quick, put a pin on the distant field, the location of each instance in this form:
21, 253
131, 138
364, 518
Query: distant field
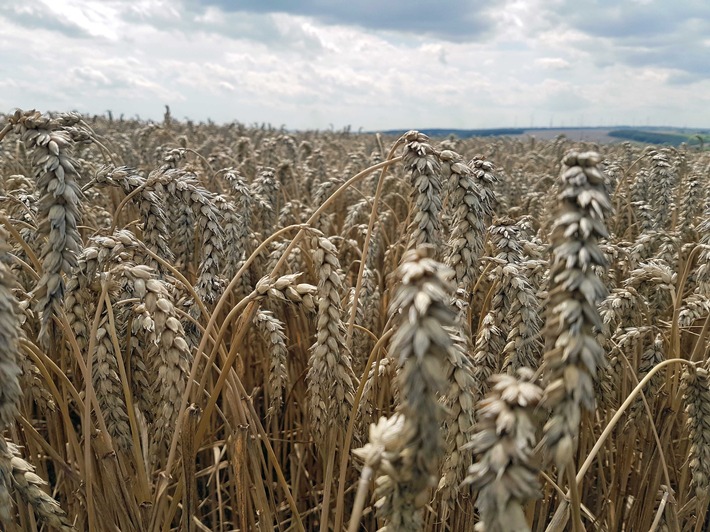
673, 138
602, 135
589, 134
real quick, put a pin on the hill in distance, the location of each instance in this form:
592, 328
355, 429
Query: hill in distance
646, 135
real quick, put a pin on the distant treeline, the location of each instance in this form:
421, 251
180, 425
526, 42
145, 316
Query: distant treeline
461, 133
655, 137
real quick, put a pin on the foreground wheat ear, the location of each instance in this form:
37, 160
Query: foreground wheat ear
696, 384
10, 391
505, 473
424, 172
406, 449
330, 376
573, 356
55, 174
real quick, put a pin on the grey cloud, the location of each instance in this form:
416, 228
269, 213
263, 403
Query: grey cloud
442, 57
108, 78
257, 27
688, 56
91, 76
637, 21
691, 61
34, 17
666, 34
464, 20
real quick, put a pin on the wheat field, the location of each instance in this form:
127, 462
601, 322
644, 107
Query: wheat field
244, 328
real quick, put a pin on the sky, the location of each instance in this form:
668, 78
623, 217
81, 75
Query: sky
366, 64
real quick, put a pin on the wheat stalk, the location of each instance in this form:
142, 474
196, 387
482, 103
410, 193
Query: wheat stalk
424, 174
696, 387
504, 472
330, 376
421, 344
18, 473
573, 356
271, 331
55, 173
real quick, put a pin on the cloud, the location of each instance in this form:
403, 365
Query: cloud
553, 63
40, 17
636, 21
399, 64
453, 20
274, 31
642, 33
91, 76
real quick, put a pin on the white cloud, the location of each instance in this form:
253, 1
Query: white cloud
553, 63
98, 19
